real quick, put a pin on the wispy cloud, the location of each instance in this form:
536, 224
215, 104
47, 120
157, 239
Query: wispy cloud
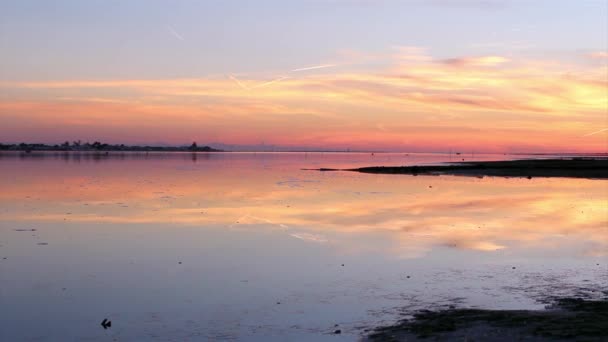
278, 79
238, 82
175, 33
596, 132
485, 61
599, 55
427, 100
314, 67
270, 82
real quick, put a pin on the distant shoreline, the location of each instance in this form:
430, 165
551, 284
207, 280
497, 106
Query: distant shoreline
99, 147
78, 146
593, 168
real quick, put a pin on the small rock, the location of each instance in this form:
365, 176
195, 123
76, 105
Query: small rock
408, 277
513, 267
278, 303
180, 262
337, 331
342, 265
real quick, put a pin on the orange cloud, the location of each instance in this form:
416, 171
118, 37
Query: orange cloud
599, 55
510, 103
486, 61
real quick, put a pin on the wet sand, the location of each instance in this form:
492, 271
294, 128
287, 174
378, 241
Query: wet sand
565, 319
592, 168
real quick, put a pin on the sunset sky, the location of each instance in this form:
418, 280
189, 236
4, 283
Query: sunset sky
435, 75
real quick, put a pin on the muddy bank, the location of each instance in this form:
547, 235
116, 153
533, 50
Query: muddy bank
593, 168
566, 319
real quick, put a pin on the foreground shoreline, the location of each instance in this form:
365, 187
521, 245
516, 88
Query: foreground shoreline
566, 318
593, 168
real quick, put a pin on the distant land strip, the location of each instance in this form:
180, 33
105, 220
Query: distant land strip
593, 168
98, 146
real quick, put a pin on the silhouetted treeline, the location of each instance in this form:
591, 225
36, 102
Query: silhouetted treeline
98, 146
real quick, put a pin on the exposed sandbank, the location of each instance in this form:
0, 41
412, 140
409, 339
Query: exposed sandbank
594, 168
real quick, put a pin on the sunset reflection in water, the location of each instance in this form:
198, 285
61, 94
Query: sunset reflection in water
209, 243
405, 216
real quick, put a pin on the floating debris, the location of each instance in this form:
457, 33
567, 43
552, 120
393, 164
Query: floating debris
106, 323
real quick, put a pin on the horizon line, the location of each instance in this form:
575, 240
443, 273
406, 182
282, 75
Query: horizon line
281, 148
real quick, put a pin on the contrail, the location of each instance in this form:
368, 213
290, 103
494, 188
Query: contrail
174, 33
596, 132
276, 79
270, 82
314, 67
238, 82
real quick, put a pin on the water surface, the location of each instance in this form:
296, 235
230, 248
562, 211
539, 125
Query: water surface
227, 246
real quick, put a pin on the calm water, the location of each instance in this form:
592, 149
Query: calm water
245, 246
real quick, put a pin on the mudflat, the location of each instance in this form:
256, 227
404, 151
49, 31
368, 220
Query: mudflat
593, 168
567, 318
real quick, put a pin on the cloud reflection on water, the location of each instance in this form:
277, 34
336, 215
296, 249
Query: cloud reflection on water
401, 215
